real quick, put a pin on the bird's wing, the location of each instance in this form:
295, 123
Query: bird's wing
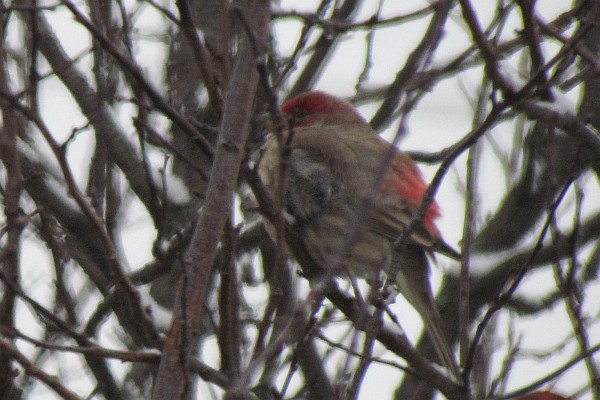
310, 185
390, 220
402, 189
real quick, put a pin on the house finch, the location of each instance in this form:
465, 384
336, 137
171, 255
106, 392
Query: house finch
332, 159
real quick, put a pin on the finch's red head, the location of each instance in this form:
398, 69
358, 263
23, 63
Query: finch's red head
314, 107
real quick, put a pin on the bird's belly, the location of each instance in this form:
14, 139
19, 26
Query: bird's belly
335, 240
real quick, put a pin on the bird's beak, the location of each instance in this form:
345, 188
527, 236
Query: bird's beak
265, 121
269, 122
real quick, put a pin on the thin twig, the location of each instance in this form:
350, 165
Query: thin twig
51, 381
504, 296
137, 74
148, 332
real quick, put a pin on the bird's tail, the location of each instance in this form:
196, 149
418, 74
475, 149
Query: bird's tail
440, 342
413, 282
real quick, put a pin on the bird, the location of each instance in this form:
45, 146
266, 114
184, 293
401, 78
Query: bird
330, 158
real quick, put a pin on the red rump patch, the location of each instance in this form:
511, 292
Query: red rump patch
405, 179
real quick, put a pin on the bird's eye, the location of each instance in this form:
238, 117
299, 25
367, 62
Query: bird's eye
297, 116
